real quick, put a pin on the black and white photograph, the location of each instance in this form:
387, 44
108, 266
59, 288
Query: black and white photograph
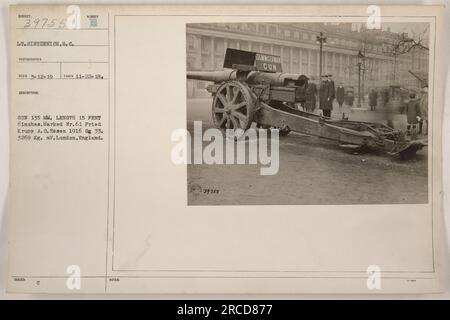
216, 150
349, 105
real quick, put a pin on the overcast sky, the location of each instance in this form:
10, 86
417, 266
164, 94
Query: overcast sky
410, 28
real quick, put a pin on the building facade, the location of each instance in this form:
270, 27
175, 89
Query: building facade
297, 46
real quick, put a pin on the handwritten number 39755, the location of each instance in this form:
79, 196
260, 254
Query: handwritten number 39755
72, 21
44, 23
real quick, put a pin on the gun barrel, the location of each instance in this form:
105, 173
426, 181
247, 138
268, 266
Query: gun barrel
215, 76
252, 78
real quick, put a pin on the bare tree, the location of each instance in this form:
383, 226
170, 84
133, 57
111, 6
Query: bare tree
403, 45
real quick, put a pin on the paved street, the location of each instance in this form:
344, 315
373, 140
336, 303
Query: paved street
312, 171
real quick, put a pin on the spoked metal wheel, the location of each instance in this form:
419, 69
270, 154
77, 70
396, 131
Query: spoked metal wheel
233, 106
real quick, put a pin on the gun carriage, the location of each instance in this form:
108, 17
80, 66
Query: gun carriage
253, 89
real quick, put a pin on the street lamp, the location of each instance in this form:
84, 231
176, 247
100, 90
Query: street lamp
360, 63
320, 40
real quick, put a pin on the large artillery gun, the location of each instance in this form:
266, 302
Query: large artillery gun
253, 89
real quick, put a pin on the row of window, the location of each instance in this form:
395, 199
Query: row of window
193, 44
297, 53
345, 66
275, 30
220, 45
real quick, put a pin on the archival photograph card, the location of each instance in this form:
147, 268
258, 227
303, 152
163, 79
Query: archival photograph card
226, 149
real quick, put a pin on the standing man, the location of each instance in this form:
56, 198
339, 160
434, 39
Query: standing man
412, 114
333, 88
326, 95
330, 79
373, 97
311, 93
423, 109
340, 94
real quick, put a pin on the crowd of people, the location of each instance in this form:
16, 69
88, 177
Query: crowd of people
326, 93
415, 107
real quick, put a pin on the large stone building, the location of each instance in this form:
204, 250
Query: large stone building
297, 45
